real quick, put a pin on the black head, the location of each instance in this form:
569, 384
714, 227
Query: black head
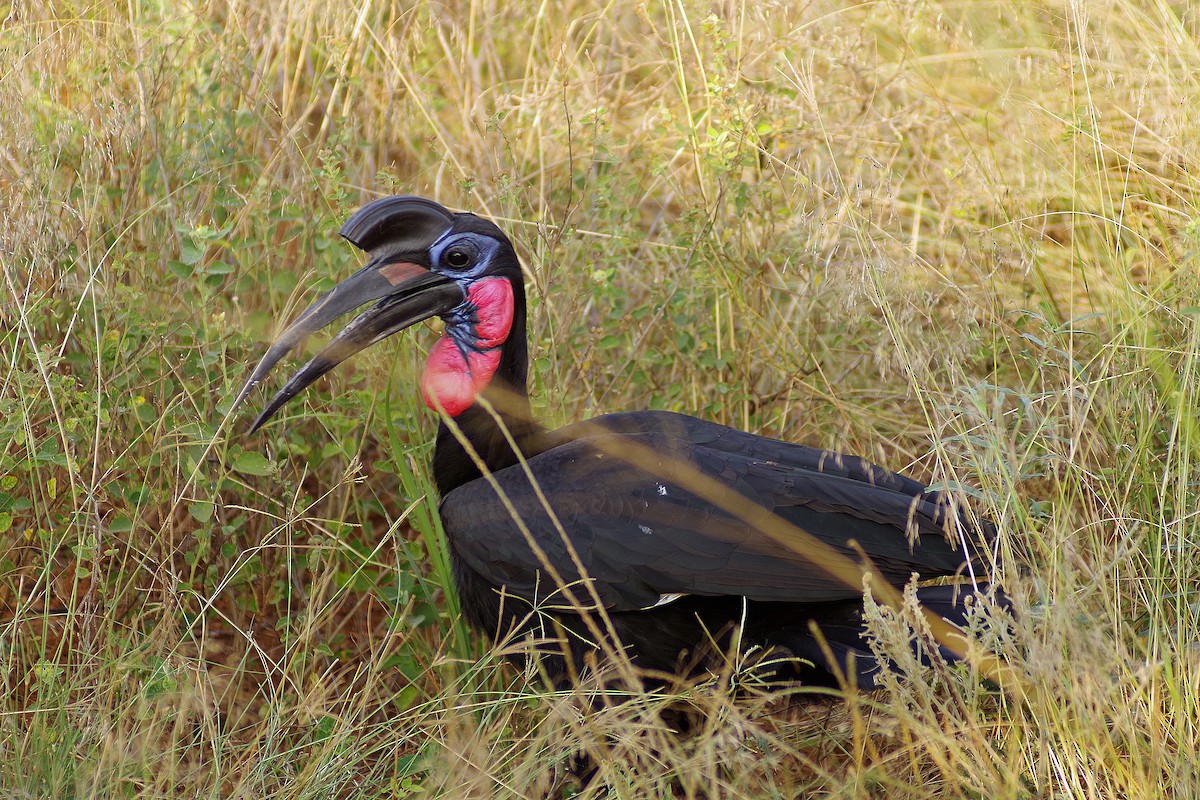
425, 262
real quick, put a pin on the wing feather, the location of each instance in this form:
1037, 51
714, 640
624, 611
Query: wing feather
640, 536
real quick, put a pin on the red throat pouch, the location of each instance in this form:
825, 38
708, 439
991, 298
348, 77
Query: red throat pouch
456, 373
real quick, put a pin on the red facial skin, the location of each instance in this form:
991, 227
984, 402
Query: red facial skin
460, 366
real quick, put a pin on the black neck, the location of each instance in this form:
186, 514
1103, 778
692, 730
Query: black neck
509, 397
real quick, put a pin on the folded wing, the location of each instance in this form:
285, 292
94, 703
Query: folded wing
630, 521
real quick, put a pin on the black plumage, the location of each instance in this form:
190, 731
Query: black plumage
685, 533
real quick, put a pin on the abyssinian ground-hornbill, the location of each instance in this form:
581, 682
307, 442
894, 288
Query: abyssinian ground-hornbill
659, 533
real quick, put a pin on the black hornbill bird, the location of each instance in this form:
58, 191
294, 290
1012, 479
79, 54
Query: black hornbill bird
668, 536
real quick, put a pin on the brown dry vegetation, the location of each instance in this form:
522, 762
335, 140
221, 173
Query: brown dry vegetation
958, 238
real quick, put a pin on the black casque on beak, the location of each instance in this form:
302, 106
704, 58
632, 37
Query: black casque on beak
389, 229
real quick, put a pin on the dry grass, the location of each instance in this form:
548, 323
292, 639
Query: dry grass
956, 238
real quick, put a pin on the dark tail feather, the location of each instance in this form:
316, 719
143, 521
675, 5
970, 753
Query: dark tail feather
846, 651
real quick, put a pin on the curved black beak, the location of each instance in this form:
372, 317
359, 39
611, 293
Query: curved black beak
407, 293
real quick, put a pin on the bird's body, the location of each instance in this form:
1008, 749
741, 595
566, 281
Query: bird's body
673, 539
650, 507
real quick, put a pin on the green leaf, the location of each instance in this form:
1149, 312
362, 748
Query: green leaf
191, 252
251, 463
180, 270
201, 511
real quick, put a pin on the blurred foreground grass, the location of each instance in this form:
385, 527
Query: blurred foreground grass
957, 238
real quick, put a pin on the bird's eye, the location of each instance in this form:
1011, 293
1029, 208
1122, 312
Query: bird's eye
457, 259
